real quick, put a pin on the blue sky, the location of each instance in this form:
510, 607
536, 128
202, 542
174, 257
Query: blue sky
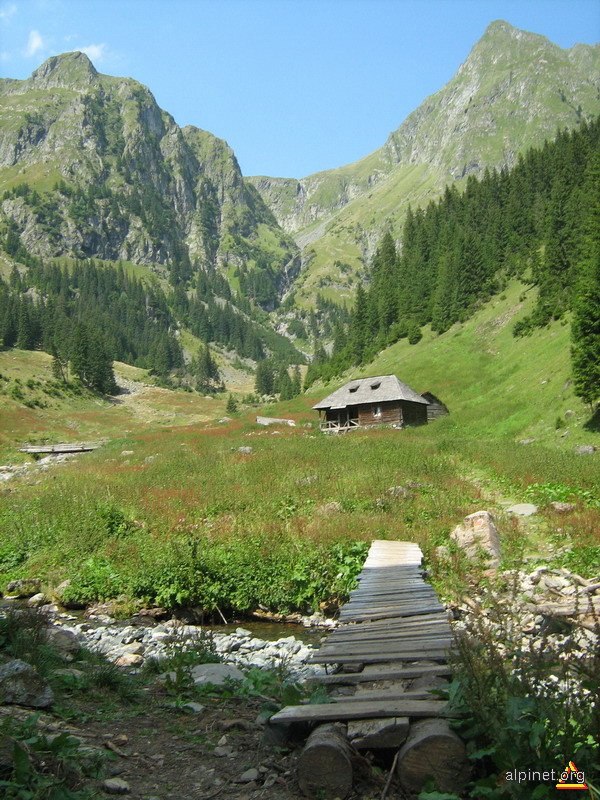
295, 86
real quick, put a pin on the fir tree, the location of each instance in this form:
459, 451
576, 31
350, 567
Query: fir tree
207, 372
585, 334
585, 326
264, 383
296, 381
232, 405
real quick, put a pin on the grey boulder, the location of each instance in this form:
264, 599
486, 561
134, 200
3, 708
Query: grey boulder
21, 685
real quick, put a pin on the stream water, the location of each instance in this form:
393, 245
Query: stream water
267, 630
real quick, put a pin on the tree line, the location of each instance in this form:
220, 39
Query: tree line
91, 309
538, 221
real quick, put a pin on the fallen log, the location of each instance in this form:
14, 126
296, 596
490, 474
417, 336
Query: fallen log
325, 764
433, 750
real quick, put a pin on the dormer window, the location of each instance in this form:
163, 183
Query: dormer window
354, 388
376, 385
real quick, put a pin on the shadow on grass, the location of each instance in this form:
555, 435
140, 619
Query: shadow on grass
593, 423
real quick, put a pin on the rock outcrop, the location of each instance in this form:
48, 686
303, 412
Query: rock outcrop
513, 91
107, 174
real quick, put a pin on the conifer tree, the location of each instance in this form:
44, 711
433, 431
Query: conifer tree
264, 381
585, 326
232, 405
296, 381
207, 372
585, 335
283, 383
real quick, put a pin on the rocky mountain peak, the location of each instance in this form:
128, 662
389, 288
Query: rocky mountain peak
69, 71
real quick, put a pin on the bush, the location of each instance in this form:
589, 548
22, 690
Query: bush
524, 707
97, 579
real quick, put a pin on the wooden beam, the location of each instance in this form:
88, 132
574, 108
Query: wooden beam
373, 675
439, 654
367, 709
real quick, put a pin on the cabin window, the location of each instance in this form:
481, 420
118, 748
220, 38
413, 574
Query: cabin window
376, 411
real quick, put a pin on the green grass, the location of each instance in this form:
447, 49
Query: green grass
36, 409
496, 386
185, 518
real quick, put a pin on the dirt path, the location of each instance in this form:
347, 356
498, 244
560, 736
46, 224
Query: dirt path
161, 752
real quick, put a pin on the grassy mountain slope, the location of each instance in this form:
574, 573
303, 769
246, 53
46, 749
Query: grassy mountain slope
34, 408
495, 386
514, 90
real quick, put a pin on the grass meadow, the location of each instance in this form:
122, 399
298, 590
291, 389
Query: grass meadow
182, 517
170, 510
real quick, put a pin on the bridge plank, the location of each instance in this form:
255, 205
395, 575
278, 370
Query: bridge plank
367, 709
392, 619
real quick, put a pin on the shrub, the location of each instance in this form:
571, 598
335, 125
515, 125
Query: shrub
96, 579
525, 708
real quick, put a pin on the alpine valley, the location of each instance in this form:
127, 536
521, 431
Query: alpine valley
153, 300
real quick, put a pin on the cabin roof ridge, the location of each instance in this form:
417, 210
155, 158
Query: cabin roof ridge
372, 389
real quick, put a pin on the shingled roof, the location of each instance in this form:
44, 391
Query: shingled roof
379, 389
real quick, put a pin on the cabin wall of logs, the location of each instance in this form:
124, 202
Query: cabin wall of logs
380, 414
392, 412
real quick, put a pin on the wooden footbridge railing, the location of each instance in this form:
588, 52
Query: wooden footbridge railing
392, 647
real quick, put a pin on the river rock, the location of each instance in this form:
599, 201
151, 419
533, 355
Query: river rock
26, 587
59, 593
64, 641
37, 600
216, 674
21, 685
130, 660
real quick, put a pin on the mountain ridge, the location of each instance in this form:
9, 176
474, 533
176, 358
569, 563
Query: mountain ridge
145, 189
513, 91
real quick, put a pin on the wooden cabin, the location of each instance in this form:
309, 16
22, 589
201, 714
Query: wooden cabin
435, 408
367, 402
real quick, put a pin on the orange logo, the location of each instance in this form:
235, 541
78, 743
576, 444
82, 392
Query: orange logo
571, 778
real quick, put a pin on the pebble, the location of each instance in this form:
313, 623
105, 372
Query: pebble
248, 776
131, 645
116, 786
222, 751
544, 590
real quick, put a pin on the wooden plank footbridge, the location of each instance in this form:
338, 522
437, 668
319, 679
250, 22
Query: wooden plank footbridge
390, 650
394, 629
59, 449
